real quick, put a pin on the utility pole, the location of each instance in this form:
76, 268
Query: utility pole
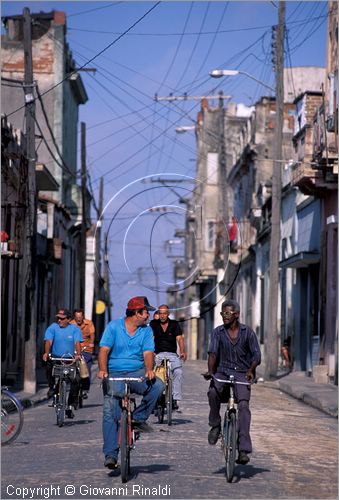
29, 268
98, 283
106, 278
84, 211
272, 340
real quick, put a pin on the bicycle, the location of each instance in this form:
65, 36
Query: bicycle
65, 370
165, 402
12, 417
127, 435
229, 432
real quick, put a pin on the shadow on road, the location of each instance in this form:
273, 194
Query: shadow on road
243, 472
141, 469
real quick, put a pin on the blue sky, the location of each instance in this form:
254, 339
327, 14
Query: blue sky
130, 136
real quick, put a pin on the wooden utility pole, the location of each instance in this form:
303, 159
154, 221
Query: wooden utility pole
106, 278
29, 268
97, 278
272, 337
84, 211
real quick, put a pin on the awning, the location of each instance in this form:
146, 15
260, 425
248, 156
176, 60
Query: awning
301, 259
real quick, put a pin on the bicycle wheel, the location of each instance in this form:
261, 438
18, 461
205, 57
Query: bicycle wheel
61, 406
169, 401
230, 436
12, 417
124, 446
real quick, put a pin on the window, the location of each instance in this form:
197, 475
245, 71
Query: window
210, 235
212, 168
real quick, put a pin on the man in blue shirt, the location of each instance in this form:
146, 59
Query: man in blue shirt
233, 350
127, 350
62, 340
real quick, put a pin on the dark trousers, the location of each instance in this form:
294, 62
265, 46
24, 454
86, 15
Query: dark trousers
219, 393
86, 382
74, 385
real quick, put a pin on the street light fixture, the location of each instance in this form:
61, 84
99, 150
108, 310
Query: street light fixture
183, 129
218, 73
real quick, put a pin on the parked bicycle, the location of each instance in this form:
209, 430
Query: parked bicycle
229, 431
12, 417
165, 402
127, 435
65, 371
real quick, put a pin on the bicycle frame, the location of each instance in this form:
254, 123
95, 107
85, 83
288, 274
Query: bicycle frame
229, 433
165, 402
127, 435
62, 382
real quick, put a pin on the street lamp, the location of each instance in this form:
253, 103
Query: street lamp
218, 73
183, 129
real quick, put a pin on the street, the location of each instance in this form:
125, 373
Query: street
294, 452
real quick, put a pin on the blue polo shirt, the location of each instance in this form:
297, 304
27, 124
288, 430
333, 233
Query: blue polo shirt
127, 350
63, 339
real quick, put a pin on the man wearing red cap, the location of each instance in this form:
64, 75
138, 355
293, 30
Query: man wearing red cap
62, 340
127, 350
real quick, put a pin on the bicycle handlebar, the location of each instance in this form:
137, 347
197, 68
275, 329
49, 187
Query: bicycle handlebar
127, 379
68, 361
235, 382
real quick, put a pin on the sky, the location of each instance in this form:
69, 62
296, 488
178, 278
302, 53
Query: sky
143, 49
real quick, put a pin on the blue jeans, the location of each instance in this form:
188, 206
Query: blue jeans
113, 391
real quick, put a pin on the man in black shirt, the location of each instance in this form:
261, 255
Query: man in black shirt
233, 350
169, 343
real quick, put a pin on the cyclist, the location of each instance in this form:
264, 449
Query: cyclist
87, 346
168, 341
233, 350
127, 350
62, 340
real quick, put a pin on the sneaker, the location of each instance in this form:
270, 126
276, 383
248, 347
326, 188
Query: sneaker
110, 462
84, 395
243, 458
141, 426
175, 405
50, 393
214, 434
69, 414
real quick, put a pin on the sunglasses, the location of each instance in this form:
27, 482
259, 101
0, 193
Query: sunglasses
226, 314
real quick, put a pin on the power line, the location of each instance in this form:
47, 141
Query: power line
94, 57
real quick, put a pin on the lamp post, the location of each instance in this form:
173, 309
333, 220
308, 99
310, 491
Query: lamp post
218, 73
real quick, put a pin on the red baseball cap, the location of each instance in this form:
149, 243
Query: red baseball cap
140, 303
63, 313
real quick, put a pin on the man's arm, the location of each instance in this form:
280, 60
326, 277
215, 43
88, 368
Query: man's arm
48, 345
77, 348
149, 364
181, 345
256, 355
91, 335
102, 361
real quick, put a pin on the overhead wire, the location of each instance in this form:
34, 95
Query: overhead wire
94, 57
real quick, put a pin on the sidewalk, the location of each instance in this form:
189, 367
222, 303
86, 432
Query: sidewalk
300, 386
296, 384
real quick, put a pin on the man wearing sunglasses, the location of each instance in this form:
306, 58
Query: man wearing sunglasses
233, 350
62, 340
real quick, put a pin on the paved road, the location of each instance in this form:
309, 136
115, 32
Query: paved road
294, 456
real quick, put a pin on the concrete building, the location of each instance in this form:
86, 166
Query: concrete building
58, 92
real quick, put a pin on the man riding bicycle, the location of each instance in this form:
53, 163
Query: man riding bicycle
233, 350
62, 340
168, 340
127, 350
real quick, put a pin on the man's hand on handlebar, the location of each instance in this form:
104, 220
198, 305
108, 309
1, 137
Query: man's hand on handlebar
250, 375
102, 374
150, 374
207, 375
